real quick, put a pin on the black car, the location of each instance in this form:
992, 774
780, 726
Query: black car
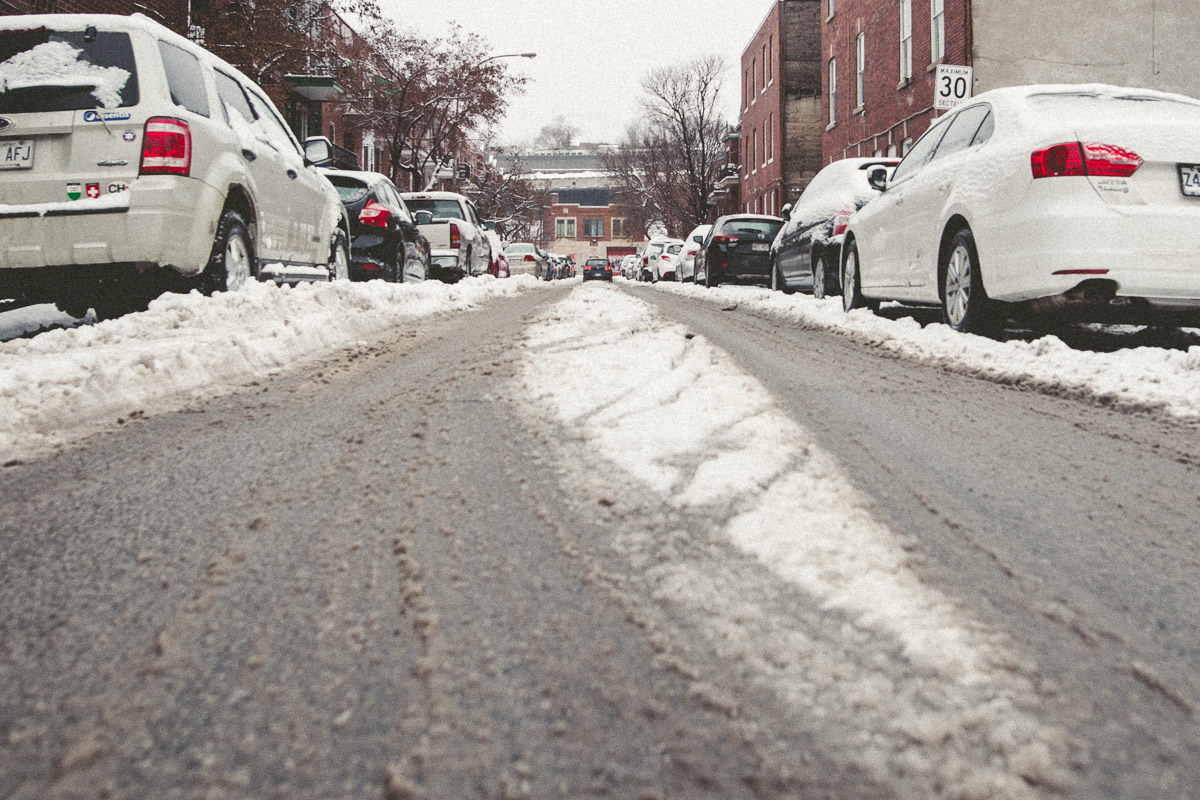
806, 251
737, 250
597, 268
384, 241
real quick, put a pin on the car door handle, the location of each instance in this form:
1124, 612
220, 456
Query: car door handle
291, 173
249, 154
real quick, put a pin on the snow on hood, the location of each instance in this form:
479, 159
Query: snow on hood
58, 64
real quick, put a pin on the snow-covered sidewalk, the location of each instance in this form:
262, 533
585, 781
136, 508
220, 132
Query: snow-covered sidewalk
59, 384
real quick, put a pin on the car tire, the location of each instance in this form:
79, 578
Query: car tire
851, 292
965, 305
708, 279
231, 264
821, 278
777, 282
414, 269
339, 257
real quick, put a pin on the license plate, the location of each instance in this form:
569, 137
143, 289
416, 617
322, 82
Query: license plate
16, 154
1189, 179
760, 247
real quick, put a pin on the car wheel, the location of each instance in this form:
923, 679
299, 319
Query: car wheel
339, 257
965, 305
851, 288
777, 282
415, 268
708, 278
821, 278
231, 264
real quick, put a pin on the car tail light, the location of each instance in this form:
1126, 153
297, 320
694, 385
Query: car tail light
724, 239
455, 237
529, 257
665, 257
166, 147
374, 215
1093, 158
840, 221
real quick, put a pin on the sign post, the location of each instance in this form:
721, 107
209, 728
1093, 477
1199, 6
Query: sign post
953, 86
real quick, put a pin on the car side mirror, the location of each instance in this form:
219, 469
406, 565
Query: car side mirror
786, 211
698, 239
877, 178
317, 151
423, 217
489, 224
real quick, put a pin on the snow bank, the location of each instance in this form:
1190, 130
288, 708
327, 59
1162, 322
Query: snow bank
60, 384
678, 416
1139, 377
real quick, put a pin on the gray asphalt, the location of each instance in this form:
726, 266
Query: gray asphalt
378, 576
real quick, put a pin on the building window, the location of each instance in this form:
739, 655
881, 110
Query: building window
753, 80
771, 59
593, 229
861, 69
905, 40
560, 228
618, 228
937, 30
832, 90
832, 3
766, 68
769, 134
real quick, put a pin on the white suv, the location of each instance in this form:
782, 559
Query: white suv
133, 161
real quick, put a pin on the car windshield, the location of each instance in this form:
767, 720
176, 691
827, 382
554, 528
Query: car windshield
44, 70
768, 226
350, 190
517, 248
441, 209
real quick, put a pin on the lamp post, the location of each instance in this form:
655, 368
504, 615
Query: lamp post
473, 67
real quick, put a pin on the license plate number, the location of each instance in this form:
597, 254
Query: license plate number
760, 247
1189, 179
16, 154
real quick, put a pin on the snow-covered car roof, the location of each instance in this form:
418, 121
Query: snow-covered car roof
840, 186
360, 174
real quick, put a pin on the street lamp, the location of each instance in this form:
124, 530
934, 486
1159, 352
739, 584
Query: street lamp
505, 55
476, 66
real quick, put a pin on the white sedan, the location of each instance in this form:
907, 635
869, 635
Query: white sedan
1081, 201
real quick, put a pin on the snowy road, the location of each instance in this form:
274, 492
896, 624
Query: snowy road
585, 541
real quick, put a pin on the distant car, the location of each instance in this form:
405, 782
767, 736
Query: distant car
807, 248
136, 162
384, 241
686, 269
1081, 202
499, 267
664, 263
738, 250
525, 258
455, 232
629, 266
597, 269
646, 269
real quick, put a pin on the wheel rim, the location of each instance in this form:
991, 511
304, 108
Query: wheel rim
958, 285
850, 282
341, 262
819, 279
237, 263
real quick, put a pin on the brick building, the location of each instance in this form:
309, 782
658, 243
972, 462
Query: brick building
587, 223
881, 57
780, 131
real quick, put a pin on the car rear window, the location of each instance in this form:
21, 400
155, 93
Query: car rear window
350, 190
45, 70
1083, 106
441, 209
597, 262
768, 226
674, 249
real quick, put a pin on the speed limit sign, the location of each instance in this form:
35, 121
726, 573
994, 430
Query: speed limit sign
953, 86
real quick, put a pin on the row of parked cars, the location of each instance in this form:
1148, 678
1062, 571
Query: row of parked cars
1065, 202
133, 161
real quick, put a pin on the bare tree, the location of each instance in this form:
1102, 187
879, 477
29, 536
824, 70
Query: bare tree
512, 200
667, 164
559, 134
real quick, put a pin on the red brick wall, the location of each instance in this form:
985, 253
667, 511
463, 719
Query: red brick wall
891, 112
762, 118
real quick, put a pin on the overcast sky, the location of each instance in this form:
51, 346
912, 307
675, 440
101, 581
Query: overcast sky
592, 54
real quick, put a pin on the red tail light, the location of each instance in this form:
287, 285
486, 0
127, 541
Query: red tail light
374, 215
1073, 158
530, 257
840, 221
455, 237
665, 257
724, 239
166, 147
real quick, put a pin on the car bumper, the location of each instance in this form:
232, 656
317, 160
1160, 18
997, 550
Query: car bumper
160, 220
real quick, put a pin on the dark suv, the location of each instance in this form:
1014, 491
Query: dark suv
738, 250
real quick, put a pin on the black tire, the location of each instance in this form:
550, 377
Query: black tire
231, 264
414, 269
708, 278
821, 278
965, 305
851, 288
777, 281
339, 257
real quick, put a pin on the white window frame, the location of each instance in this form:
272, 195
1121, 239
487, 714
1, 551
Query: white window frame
560, 228
832, 92
937, 30
832, 10
905, 40
860, 48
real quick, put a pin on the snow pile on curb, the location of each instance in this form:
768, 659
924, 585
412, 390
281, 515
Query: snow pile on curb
678, 416
55, 385
1143, 376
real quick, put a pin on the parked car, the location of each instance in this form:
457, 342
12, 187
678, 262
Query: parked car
738, 250
629, 266
455, 233
686, 269
1077, 201
384, 240
525, 258
597, 269
499, 266
664, 264
808, 247
653, 247
137, 162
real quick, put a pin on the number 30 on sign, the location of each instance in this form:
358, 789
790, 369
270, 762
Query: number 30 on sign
953, 86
